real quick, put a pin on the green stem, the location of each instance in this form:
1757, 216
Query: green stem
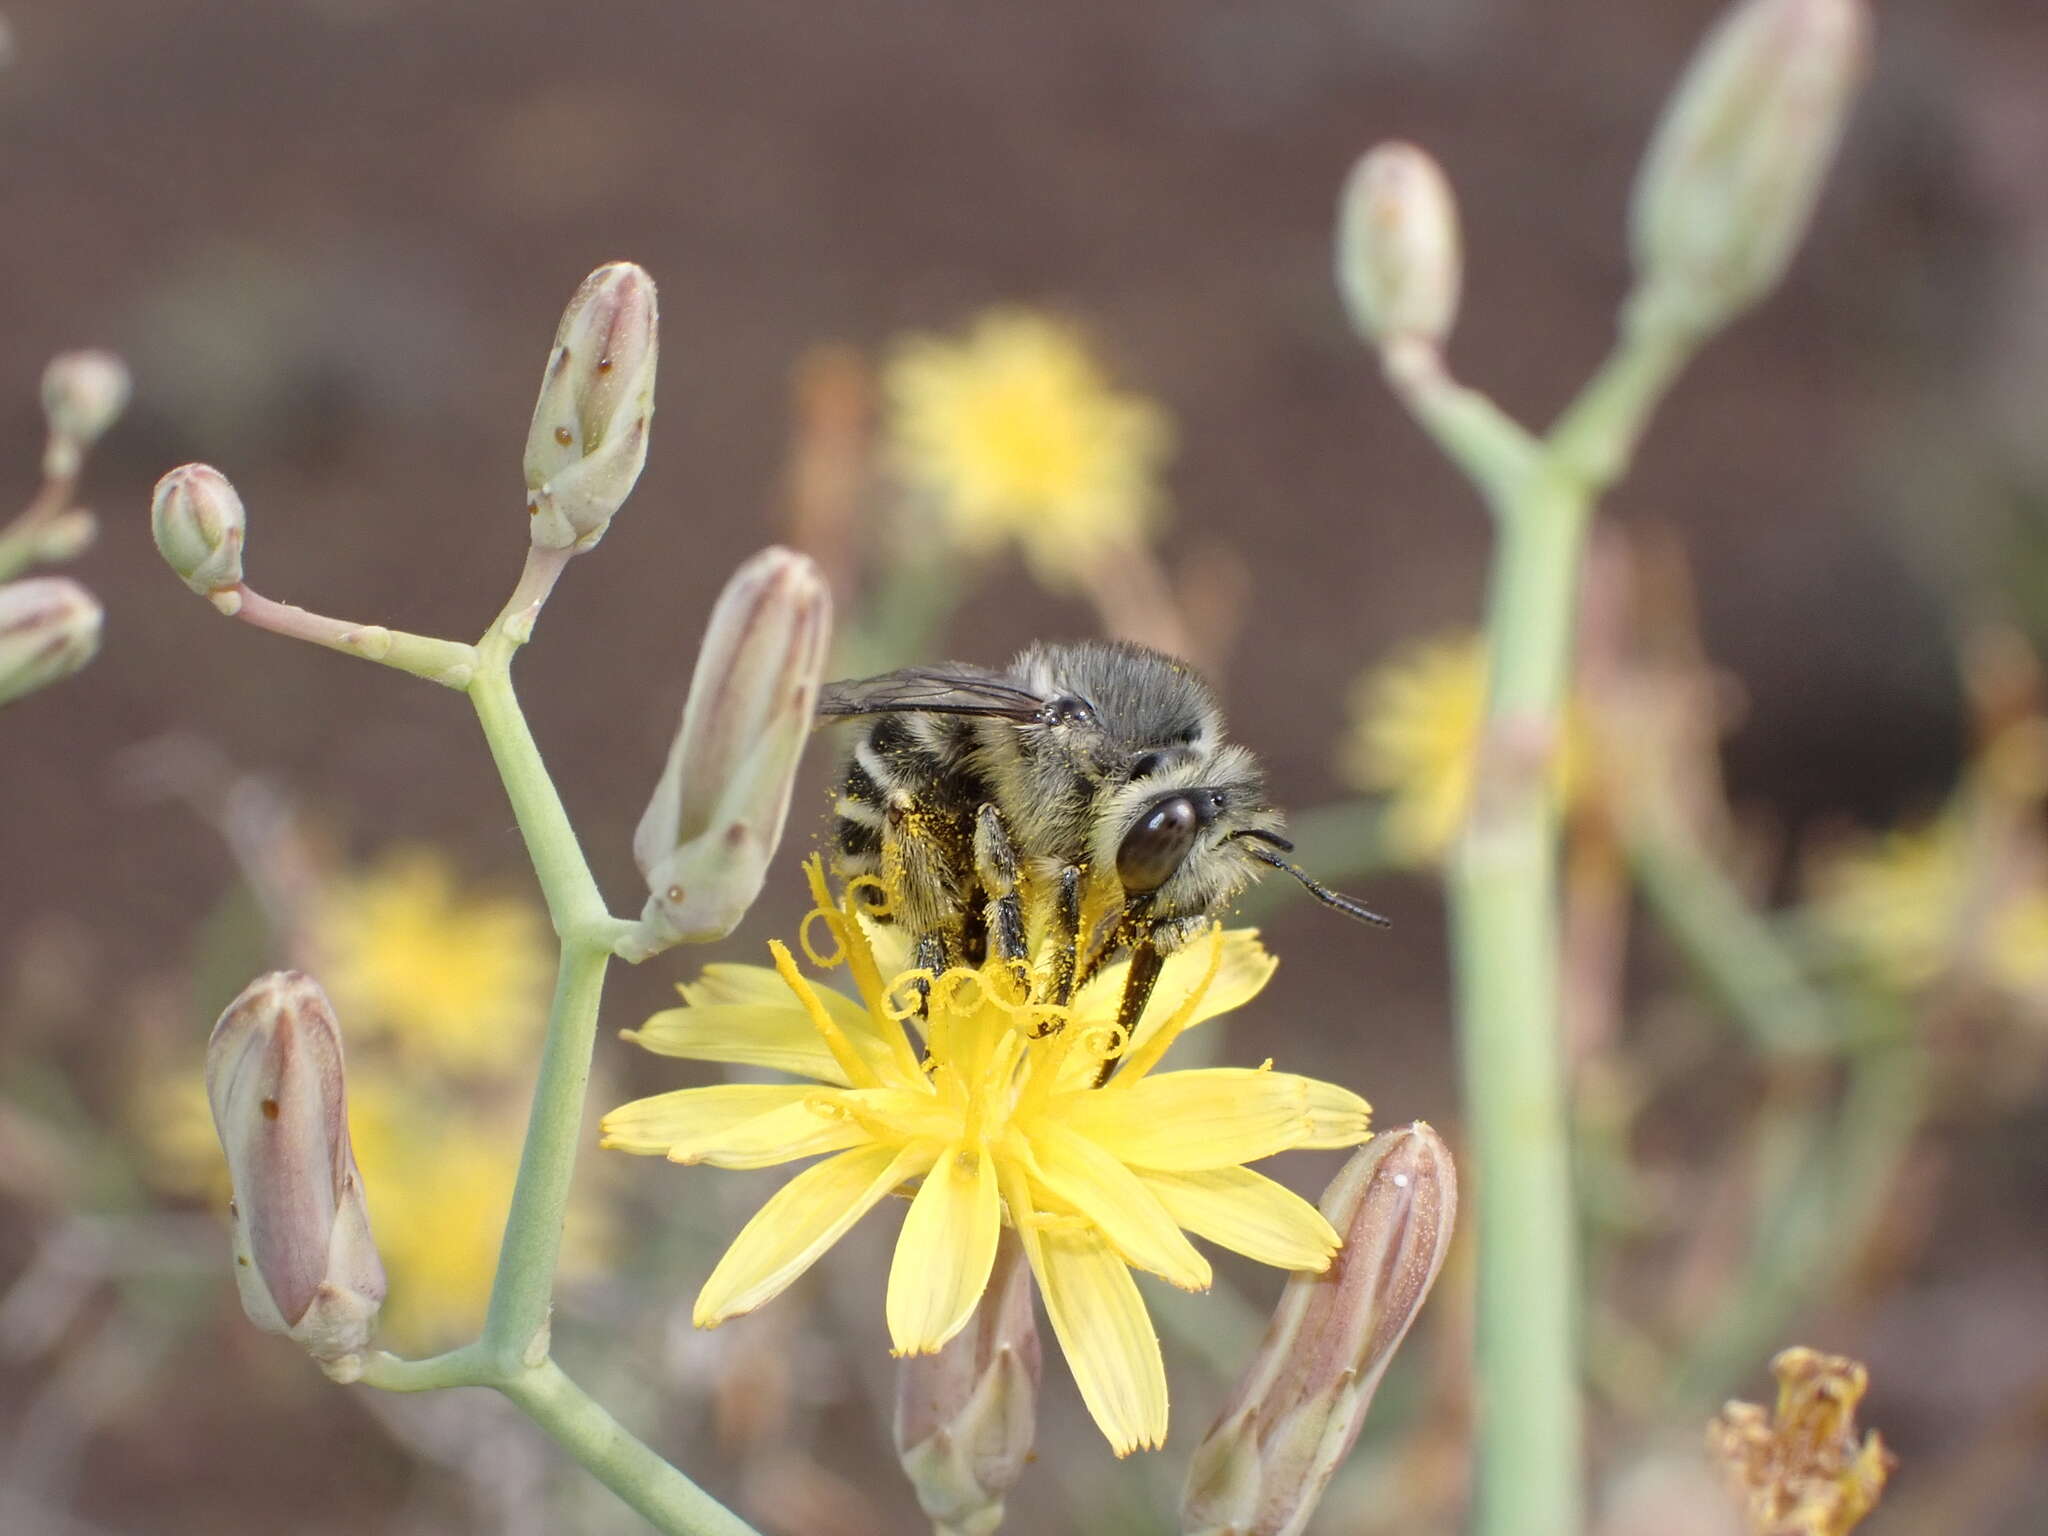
1504, 925
1731, 947
1503, 888
578, 1423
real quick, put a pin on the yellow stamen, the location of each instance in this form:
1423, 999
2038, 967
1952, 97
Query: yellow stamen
857, 1071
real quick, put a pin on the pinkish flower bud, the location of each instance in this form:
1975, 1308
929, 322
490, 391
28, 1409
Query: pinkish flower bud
1398, 261
966, 1417
1298, 1407
588, 440
717, 812
49, 628
305, 1262
199, 526
1731, 177
84, 393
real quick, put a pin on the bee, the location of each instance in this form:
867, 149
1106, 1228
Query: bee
1097, 773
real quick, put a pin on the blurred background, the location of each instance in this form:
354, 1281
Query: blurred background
332, 239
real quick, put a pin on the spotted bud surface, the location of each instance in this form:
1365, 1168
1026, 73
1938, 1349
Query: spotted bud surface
199, 526
1294, 1414
49, 628
1399, 261
967, 1416
1732, 174
718, 809
305, 1263
588, 440
84, 393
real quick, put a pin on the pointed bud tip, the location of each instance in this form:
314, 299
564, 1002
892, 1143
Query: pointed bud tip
305, 1263
588, 441
200, 526
1734, 170
1399, 264
717, 812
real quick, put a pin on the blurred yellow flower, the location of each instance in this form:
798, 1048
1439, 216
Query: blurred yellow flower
999, 1119
1415, 729
1895, 900
1909, 905
1015, 434
457, 981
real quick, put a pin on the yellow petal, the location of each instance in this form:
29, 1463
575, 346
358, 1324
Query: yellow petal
779, 1035
1242, 974
805, 1217
1104, 1332
1247, 1213
651, 1126
779, 1136
946, 1251
1081, 1174
1211, 1118
736, 984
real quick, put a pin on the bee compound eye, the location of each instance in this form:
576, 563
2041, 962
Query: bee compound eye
1069, 710
1153, 849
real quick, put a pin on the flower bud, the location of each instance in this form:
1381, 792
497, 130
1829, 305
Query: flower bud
589, 434
83, 395
967, 1416
1398, 258
199, 526
49, 628
305, 1262
717, 812
1731, 177
1299, 1405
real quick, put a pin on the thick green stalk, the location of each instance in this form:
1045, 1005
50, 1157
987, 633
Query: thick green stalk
1504, 926
1503, 892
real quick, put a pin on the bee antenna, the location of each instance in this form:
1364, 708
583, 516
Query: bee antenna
1333, 899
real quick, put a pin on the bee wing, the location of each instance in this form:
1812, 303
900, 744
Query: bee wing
954, 688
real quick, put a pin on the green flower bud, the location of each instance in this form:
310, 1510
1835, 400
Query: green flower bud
718, 809
967, 1417
589, 435
1295, 1412
199, 526
1732, 175
1398, 258
83, 395
49, 628
305, 1262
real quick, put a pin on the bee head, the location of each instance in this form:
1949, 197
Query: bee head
1191, 829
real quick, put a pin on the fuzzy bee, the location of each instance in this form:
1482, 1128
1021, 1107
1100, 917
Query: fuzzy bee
1095, 773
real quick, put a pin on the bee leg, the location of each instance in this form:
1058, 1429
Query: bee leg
995, 866
1066, 937
1148, 958
1146, 962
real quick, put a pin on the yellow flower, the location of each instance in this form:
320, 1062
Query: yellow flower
1415, 731
1896, 900
1016, 434
1909, 905
459, 982
999, 1120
